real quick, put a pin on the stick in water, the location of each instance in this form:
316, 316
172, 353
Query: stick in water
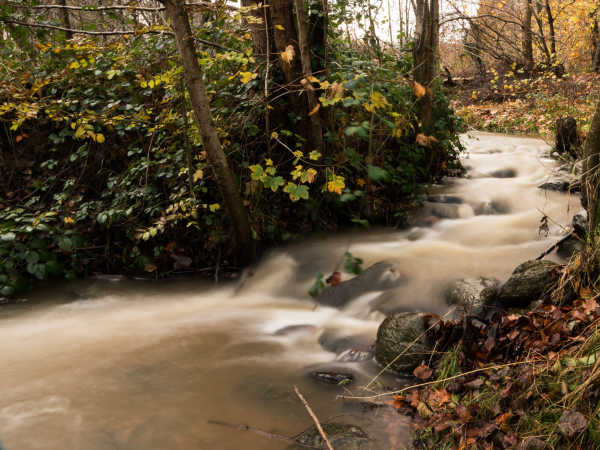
314, 418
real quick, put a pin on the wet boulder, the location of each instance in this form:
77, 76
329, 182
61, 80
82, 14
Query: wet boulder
402, 334
340, 435
332, 377
493, 207
336, 342
444, 198
528, 282
574, 243
567, 248
504, 173
472, 295
561, 185
379, 277
444, 210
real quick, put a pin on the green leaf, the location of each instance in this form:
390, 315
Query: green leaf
273, 182
318, 286
65, 244
377, 173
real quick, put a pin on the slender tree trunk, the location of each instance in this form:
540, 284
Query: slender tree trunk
552, 32
596, 46
315, 131
528, 37
424, 55
258, 27
244, 245
66, 20
591, 173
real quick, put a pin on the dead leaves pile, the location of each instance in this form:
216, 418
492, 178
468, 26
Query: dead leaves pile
494, 408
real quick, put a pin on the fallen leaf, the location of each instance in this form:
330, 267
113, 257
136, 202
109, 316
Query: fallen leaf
422, 372
572, 423
334, 279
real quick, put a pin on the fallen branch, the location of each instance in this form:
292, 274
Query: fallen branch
260, 432
314, 418
556, 244
110, 33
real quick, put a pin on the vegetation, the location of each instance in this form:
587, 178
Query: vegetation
104, 168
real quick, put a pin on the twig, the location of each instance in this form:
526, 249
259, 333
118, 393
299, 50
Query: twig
260, 432
404, 389
314, 418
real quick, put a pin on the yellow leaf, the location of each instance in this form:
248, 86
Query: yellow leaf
280, 27
99, 138
246, 77
214, 207
425, 141
79, 132
314, 110
336, 184
150, 267
313, 79
198, 174
69, 220
74, 65
151, 84
288, 54
418, 89
378, 100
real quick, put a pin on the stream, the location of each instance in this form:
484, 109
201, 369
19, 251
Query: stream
121, 364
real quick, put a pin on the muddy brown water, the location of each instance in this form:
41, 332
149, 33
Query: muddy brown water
101, 364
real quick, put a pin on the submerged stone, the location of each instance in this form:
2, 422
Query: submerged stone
379, 277
341, 436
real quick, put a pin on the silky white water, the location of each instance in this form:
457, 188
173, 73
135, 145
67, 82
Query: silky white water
100, 364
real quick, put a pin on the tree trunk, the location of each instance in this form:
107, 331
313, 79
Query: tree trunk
258, 27
596, 47
315, 131
424, 55
552, 32
243, 243
528, 37
591, 173
66, 20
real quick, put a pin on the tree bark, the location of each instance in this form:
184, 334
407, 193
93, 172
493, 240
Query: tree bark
528, 37
552, 32
243, 243
66, 20
591, 173
424, 55
315, 131
258, 27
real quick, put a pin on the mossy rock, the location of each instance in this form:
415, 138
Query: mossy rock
402, 334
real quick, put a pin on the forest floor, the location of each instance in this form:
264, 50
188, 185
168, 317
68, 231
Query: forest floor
529, 107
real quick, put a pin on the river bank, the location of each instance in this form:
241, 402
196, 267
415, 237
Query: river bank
158, 350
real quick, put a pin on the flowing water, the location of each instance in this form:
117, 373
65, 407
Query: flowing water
108, 364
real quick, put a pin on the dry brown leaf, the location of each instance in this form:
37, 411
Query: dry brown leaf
418, 89
422, 372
